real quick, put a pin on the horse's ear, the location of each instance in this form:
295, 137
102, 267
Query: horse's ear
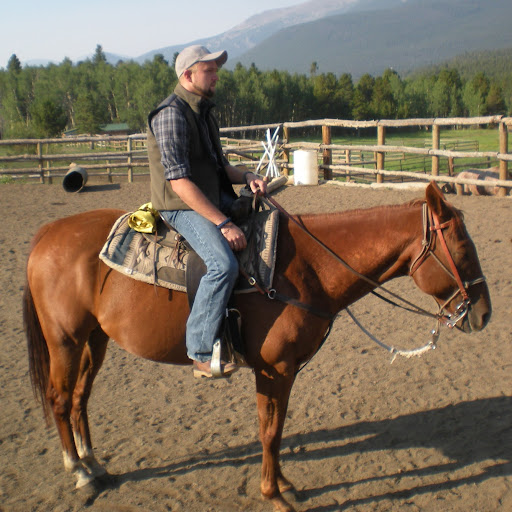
437, 202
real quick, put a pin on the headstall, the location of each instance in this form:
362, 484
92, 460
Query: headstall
432, 226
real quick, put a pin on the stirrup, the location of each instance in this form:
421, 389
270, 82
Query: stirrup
215, 365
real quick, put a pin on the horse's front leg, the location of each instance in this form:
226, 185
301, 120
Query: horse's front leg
273, 392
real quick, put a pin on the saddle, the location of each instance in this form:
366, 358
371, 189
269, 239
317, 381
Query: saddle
164, 258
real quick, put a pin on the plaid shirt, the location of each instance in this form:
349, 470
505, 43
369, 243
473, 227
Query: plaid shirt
171, 133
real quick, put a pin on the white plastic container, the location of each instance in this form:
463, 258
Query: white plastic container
305, 167
75, 179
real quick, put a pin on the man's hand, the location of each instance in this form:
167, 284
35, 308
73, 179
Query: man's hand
257, 185
235, 236
241, 174
190, 193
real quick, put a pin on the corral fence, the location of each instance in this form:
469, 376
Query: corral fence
112, 156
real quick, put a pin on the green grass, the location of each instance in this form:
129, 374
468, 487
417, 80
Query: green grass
484, 139
471, 139
488, 139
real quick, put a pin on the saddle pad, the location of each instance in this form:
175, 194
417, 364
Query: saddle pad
164, 262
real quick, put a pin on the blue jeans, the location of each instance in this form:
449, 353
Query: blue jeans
217, 284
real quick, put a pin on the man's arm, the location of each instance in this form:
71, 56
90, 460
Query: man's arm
243, 175
190, 193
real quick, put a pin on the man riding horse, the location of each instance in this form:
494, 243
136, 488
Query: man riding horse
191, 186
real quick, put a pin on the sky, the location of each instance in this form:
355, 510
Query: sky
55, 29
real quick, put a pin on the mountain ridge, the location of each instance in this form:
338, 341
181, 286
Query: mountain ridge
434, 31
254, 29
358, 36
258, 27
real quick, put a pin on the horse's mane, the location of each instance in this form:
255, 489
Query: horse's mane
358, 211
458, 215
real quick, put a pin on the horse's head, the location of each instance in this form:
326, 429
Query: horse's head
458, 286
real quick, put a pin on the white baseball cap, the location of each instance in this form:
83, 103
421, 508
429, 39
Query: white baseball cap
197, 53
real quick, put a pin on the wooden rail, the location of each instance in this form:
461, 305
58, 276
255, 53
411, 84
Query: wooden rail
336, 160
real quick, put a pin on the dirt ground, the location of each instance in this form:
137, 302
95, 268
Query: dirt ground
421, 434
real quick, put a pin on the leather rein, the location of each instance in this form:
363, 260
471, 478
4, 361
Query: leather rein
431, 226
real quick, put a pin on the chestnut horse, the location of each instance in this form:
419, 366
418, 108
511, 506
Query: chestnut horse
73, 304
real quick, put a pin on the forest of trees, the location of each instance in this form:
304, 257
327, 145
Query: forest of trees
45, 101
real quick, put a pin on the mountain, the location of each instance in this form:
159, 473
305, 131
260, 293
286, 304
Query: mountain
258, 28
403, 37
255, 29
357, 36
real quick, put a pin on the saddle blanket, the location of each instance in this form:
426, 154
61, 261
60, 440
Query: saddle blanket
161, 259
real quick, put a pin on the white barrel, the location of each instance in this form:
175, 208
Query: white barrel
305, 167
75, 179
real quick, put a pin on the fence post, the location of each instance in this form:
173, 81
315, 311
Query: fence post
109, 171
381, 140
327, 153
347, 162
48, 173
130, 167
286, 152
436, 139
502, 191
451, 166
39, 147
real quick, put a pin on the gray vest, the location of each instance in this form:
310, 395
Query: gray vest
205, 170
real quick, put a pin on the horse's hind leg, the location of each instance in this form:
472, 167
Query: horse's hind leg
91, 361
65, 356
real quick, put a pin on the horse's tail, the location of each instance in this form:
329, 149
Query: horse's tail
38, 355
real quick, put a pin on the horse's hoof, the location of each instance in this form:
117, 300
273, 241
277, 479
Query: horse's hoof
280, 504
289, 492
294, 496
285, 485
87, 493
84, 480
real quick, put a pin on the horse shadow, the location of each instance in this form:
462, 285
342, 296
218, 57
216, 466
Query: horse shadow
466, 433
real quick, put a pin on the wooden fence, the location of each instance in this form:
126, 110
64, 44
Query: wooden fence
114, 153
127, 155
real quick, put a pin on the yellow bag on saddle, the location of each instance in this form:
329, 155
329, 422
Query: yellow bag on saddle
144, 219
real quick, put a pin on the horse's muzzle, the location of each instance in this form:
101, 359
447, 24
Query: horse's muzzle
477, 318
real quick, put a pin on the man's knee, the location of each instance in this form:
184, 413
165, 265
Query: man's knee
230, 268
234, 271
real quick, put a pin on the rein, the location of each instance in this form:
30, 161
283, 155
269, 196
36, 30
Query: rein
431, 225
413, 307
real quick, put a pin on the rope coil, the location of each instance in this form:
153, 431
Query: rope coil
417, 352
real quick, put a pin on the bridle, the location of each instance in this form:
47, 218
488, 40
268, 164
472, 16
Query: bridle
431, 228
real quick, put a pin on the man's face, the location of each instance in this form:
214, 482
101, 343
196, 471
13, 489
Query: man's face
203, 78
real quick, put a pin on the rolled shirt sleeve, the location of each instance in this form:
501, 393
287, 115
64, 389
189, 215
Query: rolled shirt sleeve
171, 133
